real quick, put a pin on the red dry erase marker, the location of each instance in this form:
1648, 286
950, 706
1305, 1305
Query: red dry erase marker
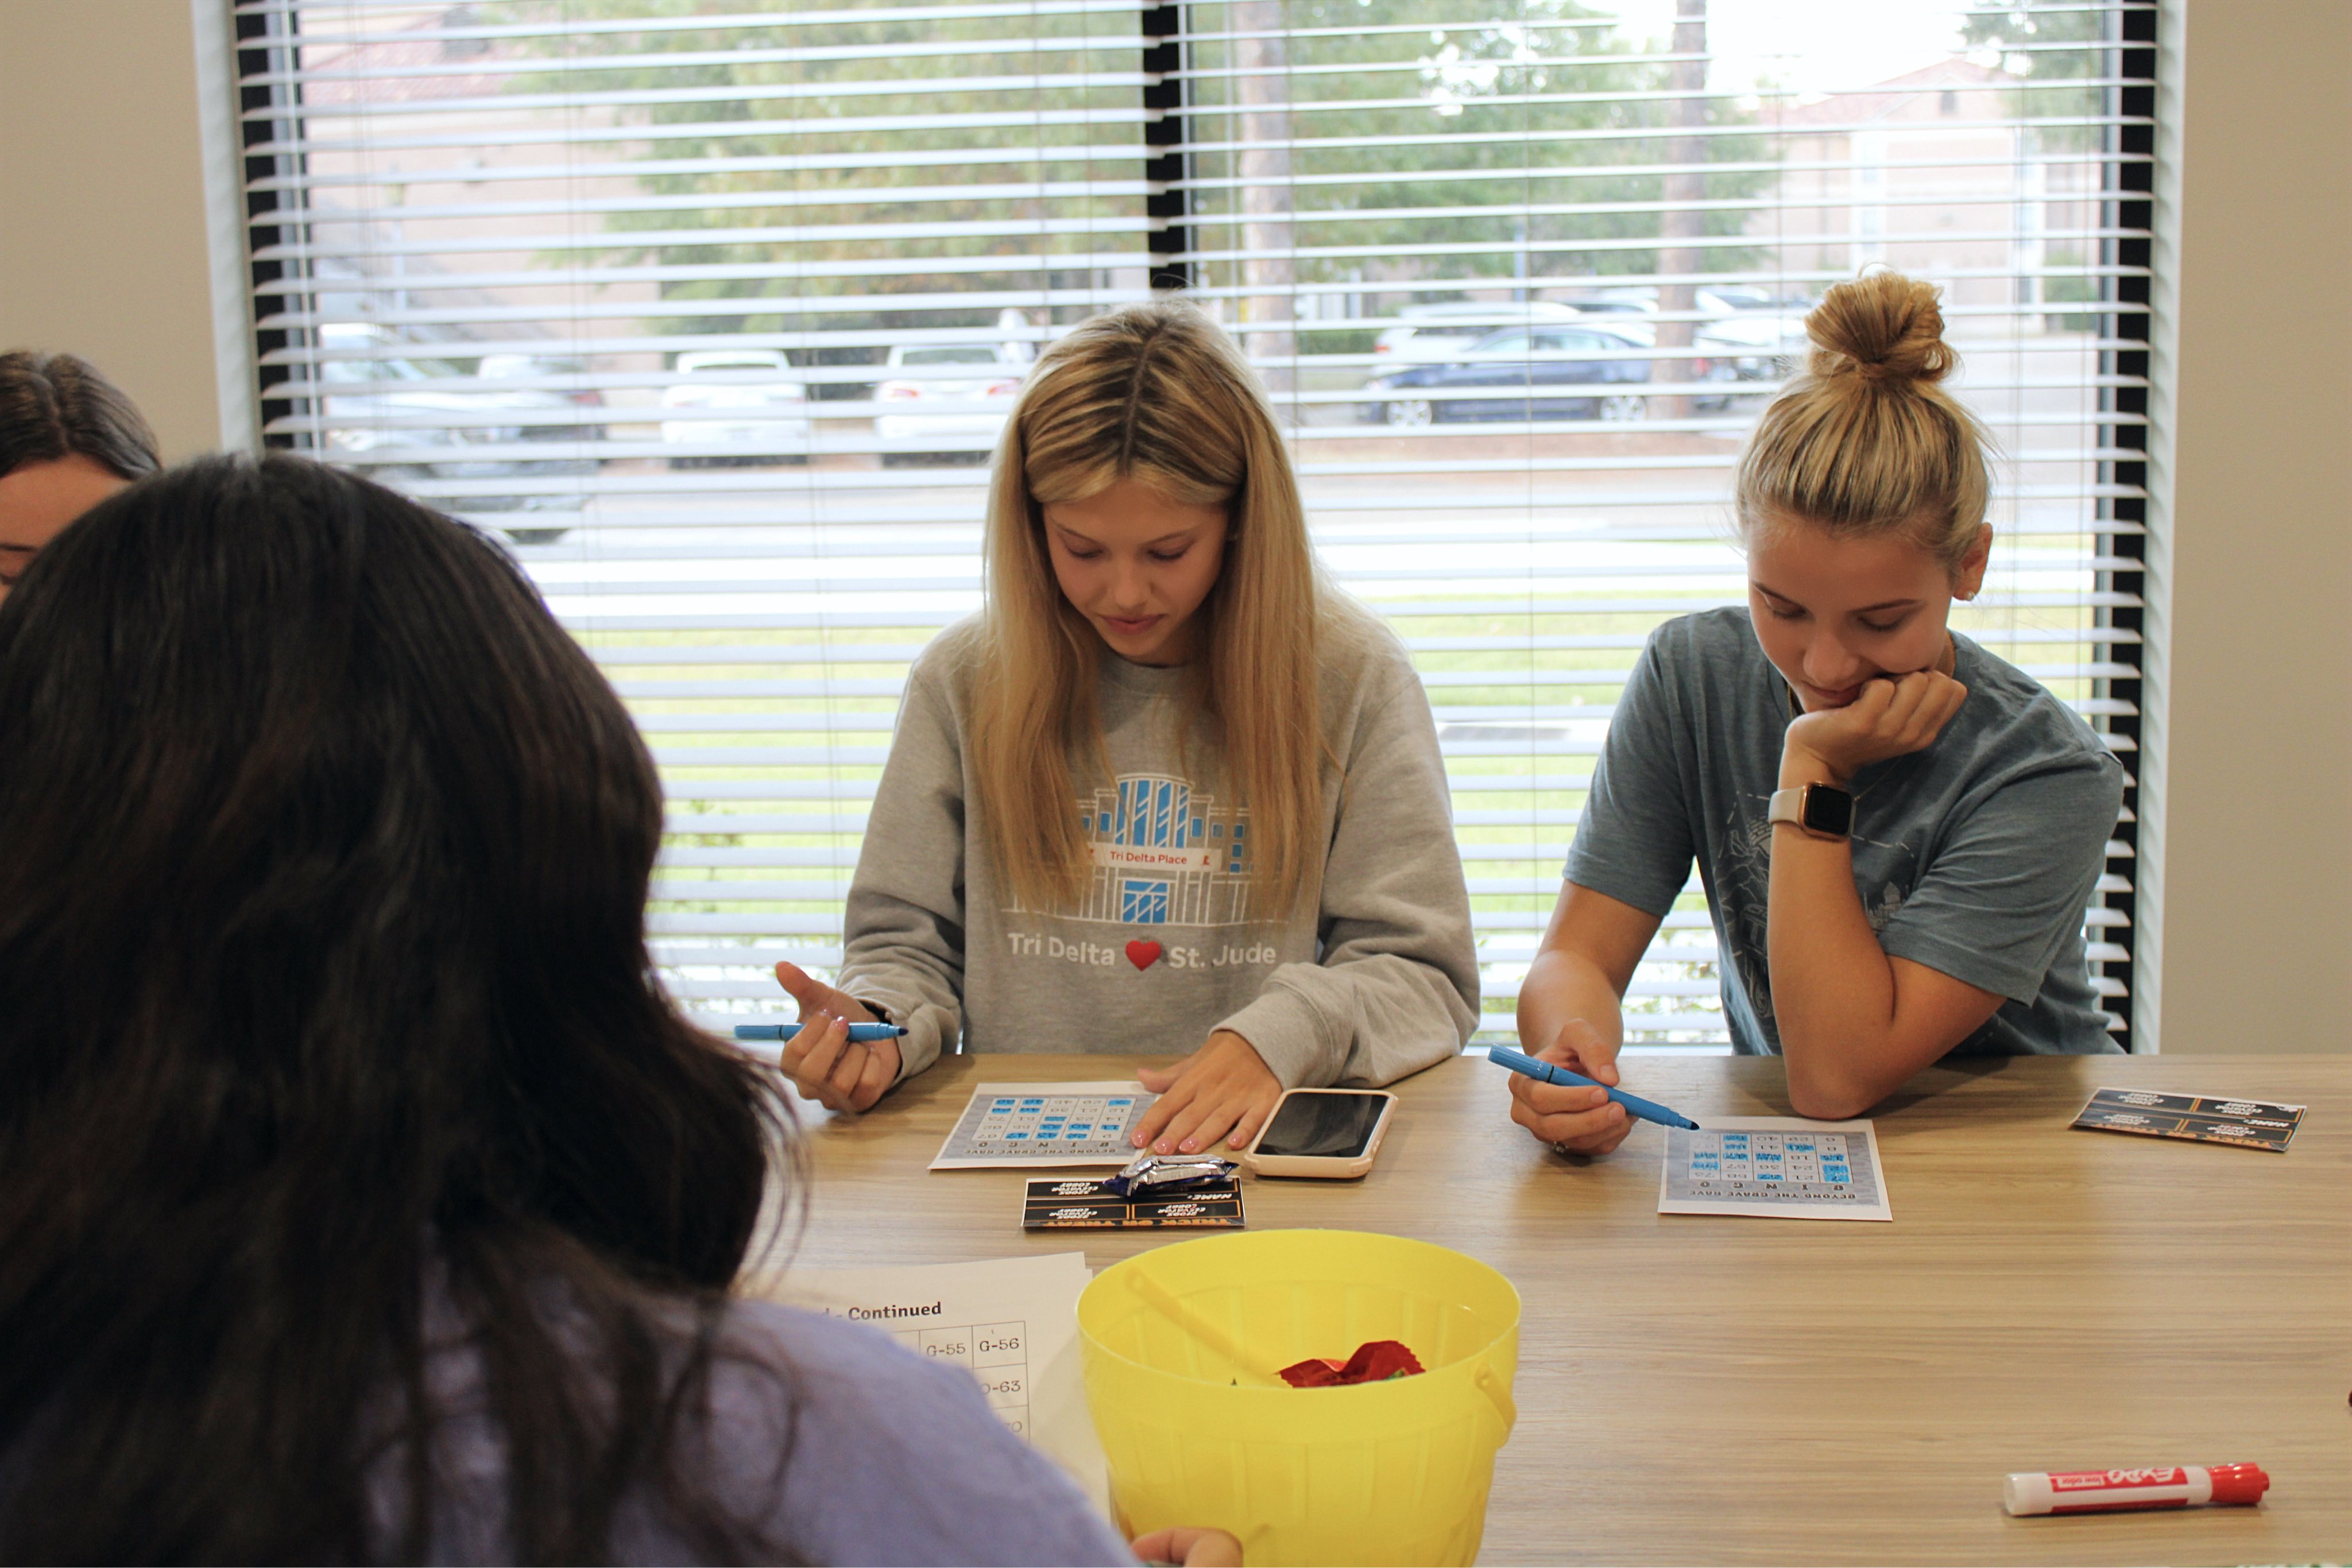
2113, 1491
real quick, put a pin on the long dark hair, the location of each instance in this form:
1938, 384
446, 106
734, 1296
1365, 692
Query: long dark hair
57, 405
327, 1001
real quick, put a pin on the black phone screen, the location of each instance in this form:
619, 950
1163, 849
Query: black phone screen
1327, 1126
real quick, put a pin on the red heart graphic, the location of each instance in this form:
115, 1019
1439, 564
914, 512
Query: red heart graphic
1143, 955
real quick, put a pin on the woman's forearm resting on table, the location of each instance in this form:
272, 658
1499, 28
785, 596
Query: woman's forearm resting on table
1854, 1022
1365, 1019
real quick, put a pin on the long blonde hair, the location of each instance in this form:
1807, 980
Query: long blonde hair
1157, 394
1868, 441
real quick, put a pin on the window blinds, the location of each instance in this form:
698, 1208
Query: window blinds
713, 312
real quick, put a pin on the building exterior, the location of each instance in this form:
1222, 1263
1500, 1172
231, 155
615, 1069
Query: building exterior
1936, 173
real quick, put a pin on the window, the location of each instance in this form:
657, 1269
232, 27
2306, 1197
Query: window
714, 314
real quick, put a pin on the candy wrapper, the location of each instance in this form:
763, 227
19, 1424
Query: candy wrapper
1375, 1361
1156, 1175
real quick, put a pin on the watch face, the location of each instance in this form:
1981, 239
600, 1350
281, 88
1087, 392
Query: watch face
1828, 810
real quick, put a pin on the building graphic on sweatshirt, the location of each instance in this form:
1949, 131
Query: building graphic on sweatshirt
1163, 855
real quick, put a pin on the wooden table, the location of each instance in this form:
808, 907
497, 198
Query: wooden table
1704, 1389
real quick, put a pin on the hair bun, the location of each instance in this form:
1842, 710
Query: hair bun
1881, 326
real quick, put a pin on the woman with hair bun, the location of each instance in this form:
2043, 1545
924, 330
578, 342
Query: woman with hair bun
1897, 832
1170, 790
68, 439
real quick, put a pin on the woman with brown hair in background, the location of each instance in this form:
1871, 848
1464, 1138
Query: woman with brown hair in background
68, 439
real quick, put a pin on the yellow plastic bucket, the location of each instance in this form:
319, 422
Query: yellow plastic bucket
1180, 1348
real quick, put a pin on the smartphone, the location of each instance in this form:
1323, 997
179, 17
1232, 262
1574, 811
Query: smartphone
1328, 1132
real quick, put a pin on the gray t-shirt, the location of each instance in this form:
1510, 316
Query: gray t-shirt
1974, 857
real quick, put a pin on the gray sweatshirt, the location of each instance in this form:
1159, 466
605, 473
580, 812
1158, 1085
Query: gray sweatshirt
1374, 977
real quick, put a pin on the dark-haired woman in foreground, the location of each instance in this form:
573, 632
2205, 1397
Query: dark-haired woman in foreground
361, 1195
68, 439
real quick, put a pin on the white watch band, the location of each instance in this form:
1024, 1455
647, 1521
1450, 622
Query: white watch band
1788, 806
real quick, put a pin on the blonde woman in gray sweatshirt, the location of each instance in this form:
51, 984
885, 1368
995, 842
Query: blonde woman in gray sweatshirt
1171, 791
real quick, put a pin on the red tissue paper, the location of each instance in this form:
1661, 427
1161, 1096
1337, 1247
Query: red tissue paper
1375, 1361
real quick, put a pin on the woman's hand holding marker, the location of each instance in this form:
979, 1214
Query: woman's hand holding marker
1891, 716
1223, 1088
1573, 1119
823, 1062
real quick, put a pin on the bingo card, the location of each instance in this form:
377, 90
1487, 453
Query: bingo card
1777, 1166
1044, 1125
996, 1354
1011, 1324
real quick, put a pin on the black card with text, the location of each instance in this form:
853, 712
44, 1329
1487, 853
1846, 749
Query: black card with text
1076, 1204
2200, 1118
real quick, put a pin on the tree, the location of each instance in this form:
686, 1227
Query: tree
1525, 103
1268, 233
1686, 186
2059, 49
1319, 114
2059, 52
827, 157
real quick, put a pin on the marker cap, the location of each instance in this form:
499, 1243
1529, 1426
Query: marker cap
2238, 1483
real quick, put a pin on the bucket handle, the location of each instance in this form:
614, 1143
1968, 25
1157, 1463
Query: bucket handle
1170, 1305
1490, 1382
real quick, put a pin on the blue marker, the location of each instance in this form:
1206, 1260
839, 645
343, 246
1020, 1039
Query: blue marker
859, 1033
1544, 1072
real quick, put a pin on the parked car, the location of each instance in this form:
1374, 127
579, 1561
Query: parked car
577, 389
745, 402
1708, 298
947, 399
1550, 372
1748, 348
409, 417
1434, 333
1754, 334
1734, 298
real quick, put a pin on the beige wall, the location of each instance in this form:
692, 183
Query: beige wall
102, 244
2252, 754
102, 250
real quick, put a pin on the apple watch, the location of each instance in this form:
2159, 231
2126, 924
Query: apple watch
1823, 810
